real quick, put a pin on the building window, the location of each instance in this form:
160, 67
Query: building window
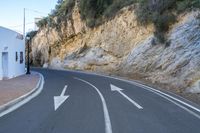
21, 58
16, 56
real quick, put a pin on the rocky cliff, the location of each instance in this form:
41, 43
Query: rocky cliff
123, 47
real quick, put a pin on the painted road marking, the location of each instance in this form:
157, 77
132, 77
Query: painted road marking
108, 127
115, 88
167, 95
140, 85
59, 100
177, 104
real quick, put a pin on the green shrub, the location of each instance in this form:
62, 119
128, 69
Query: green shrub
93, 9
90, 22
182, 5
63, 7
42, 22
162, 22
116, 6
195, 3
162, 13
31, 34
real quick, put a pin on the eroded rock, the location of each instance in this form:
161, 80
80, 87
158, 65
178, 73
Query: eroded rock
122, 46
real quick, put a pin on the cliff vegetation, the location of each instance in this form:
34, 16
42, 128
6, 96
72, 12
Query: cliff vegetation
156, 41
160, 13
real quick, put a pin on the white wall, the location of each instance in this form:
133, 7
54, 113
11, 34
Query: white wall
0, 62
9, 40
19, 47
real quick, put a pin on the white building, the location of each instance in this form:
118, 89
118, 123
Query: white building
12, 54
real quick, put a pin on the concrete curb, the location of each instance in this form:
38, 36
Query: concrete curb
16, 103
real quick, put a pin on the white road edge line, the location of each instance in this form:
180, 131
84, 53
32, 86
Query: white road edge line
108, 127
119, 90
26, 100
167, 95
177, 104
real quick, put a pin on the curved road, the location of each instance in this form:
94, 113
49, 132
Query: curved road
75, 102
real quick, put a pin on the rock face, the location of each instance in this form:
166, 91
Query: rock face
49, 42
121, 46
177, 65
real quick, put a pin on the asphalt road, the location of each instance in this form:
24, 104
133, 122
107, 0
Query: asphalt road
92, 107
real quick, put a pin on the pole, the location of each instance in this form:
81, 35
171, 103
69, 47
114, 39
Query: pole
24, 24
28, 61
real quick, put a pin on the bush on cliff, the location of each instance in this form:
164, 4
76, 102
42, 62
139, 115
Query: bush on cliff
94, 11
161, 13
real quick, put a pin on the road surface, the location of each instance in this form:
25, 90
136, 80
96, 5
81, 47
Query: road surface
74, 102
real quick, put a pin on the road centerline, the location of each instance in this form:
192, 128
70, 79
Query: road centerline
108, 127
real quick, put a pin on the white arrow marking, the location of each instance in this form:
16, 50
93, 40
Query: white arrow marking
115, 88
58, 100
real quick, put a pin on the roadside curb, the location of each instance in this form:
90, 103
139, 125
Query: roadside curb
20, 101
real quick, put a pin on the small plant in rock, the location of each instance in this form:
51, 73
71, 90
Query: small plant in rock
162, 13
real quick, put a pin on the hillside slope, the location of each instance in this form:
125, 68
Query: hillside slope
121, 46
